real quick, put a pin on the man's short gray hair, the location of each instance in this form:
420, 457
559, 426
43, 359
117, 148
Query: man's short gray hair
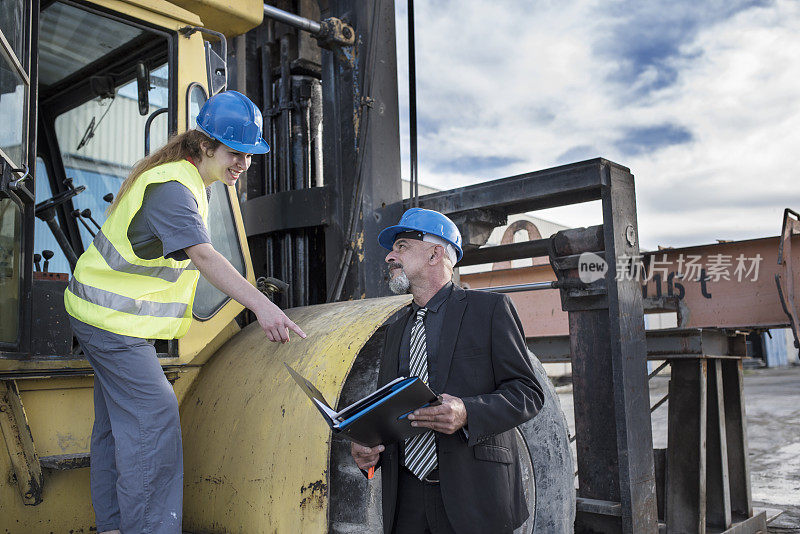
449, 249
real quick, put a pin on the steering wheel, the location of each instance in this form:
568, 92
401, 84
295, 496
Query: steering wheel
56, 200
45, 211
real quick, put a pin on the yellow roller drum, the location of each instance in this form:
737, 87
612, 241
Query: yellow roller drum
256, 452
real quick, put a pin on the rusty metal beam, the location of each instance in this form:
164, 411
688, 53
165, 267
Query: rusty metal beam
287, 210
686, 459
671, 343
785, 280
736, 436
726, 285
750, 302
559, 186
668, 343
64, 462
512, 251
718, 489
754, 525
627, 359
609, 371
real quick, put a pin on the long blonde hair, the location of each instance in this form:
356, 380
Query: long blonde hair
192, 144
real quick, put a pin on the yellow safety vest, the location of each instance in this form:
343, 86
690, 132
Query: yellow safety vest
114, 289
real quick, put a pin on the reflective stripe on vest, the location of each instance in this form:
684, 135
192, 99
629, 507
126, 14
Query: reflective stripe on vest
115, 260
119, 303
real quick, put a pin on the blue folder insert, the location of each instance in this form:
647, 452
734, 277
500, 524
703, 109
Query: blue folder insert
395, 389
380, 417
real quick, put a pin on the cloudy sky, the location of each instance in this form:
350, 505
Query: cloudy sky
700, 99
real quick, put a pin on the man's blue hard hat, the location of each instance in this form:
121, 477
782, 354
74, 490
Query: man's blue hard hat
425, 221
232, 119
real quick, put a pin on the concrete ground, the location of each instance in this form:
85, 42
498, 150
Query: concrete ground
772, 405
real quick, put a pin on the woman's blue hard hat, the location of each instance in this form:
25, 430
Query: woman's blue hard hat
232, 119
425, 221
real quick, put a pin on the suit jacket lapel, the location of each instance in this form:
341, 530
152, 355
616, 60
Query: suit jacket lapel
391, 356
449, 336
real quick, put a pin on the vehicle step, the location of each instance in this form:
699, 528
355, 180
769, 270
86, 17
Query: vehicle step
63, 462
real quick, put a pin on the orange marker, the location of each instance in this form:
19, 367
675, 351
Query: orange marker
371, 472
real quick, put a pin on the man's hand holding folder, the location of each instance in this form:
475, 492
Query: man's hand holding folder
447, 416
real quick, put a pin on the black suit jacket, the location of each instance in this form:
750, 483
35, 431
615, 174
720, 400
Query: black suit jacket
482, 358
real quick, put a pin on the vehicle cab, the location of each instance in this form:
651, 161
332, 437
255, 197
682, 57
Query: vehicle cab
86, 90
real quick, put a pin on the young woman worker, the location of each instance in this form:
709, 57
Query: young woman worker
135, 282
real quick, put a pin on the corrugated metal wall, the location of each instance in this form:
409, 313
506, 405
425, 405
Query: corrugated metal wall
779, 349
118, 140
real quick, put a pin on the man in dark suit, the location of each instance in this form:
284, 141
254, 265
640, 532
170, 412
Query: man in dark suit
462, 475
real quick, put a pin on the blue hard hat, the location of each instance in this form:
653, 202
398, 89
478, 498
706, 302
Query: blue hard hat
232, 119
425, 221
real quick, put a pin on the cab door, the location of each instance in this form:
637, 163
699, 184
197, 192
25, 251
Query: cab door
18, 25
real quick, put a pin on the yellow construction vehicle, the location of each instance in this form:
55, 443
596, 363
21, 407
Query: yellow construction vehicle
87, 89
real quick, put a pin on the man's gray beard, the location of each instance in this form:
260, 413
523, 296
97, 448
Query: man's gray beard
399, 284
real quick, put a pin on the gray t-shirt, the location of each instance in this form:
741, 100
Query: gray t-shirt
167, 222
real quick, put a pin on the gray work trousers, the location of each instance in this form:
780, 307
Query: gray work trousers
136, 473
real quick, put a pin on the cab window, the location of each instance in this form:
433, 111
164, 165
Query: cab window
90, 108
15, 90
102, 139
14, 81
222, 229
43, 237
10, 266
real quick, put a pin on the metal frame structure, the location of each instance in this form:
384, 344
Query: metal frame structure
16, 184
702, 480
612, 418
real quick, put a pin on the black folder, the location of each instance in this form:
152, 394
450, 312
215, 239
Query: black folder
378, 418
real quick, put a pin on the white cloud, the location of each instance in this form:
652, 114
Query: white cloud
525, 81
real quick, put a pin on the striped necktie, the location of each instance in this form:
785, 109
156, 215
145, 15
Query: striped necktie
420, 451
